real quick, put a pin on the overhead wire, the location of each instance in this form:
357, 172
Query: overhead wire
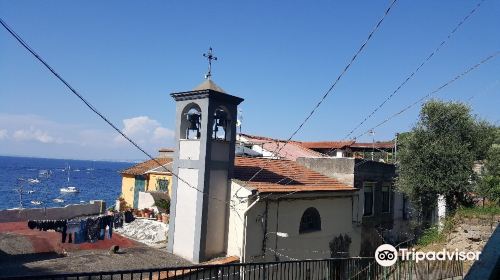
446, 84
449, 82
93, 109
411, 75
330, 89
422, 99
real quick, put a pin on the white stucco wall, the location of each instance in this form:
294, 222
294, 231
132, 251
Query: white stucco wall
236, 220
185, 213
284, 216
146, 200
189, 149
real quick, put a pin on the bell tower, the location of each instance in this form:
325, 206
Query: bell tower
204, 160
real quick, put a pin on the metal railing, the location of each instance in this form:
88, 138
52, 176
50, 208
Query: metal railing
342, 268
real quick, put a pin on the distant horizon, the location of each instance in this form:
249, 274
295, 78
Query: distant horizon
73, 159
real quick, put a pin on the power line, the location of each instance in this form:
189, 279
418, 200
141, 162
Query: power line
446, 84
325, 95
457, 77
412, 74
409, 77
449, 82
93, 109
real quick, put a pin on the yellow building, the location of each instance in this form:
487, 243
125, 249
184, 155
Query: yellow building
146, 177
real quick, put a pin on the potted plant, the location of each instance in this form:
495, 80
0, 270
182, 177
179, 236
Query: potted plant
136, 213
163, 204
164, 218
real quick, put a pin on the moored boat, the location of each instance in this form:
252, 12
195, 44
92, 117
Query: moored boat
33, 181
69, 190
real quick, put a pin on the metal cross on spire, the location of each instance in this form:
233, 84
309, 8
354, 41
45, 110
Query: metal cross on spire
210, 56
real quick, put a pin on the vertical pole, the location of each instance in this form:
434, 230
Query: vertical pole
396, 147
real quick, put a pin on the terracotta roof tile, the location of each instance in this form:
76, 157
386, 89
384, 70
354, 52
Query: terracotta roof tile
291, 151
347, 144
327, 144
281, 175
143, 167
377, 145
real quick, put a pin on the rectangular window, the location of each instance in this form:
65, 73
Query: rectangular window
368, 205
386, 198
162, 184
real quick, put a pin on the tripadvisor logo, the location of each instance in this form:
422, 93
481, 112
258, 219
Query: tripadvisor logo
387, 255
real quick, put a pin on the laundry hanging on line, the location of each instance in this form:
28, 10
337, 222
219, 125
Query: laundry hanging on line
81, 230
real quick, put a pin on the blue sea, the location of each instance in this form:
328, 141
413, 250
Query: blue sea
26, 182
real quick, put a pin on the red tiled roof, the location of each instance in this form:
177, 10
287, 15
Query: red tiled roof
281, 175
327, 144
143, 167
347, 144
377, 145
291, 151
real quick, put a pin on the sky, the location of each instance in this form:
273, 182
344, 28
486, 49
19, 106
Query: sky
126, 57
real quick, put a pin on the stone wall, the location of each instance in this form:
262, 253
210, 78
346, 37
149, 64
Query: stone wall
95, 207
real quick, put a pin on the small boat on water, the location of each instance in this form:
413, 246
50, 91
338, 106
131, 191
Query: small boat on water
44, 173
31, 191
36, 202
33, 181
58, 200
69, 190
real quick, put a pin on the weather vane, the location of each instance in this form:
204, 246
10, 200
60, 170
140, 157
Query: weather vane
210, 56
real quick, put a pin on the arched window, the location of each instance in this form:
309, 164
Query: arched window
221, 124
310, 221
191, 122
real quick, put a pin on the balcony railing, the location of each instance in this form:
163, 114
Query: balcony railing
342, 268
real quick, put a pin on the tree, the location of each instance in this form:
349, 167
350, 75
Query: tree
437, 156
489, 183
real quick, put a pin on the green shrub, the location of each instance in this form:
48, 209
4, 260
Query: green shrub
489, 210
430, 236
164, 204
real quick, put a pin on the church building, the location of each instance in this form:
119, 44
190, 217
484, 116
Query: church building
254, 208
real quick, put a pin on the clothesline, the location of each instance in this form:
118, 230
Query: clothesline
82, 229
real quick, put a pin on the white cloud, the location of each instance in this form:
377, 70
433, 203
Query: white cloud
3, 134
145, 130
33, 134
161, 133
